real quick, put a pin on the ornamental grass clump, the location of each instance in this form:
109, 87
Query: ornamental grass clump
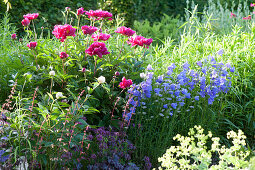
194, 153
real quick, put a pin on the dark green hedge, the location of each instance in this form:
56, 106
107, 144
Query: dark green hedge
153, 10
49, 10
131, 9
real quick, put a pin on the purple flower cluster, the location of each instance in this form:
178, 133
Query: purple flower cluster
3, 158
109, 149
208, 80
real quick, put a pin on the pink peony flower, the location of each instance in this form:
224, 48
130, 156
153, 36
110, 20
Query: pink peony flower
125, 31
147, 42
62, 31
83, 70
98, 14
25, 22
232, 15
63, 55
97, 48
80, 11
252, 5
125, 83
31, 16
247, 18
32, 45
101, 36
117, 73
68, 9
140, 41
13, 36
88, 29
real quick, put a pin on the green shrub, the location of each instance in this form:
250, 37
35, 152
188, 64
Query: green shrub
166, 27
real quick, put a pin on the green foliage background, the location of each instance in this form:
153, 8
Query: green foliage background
132, 9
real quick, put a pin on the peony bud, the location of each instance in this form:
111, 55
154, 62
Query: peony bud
59, 95
101, 79
52, 73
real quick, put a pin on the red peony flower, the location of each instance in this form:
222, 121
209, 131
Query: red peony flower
13, 36
63, 55
140, 41
88, 29
98, 14
62, 31
101, 36
32, 45
232, 15
31, 16
25, 22
247, 18
68, 9
125, 31
97, 48
147, 42
125, 83
80, 11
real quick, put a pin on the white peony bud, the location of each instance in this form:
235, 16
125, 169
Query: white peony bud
59, 95
52, 73
101, 79
142, 75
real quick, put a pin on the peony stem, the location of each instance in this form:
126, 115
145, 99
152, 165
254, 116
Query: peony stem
34, 29
95, 66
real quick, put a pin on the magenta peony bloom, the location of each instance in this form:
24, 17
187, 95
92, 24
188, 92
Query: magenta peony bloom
32, 45
117, 73
31, 16
63, 55
125, 83
13, 36
101, 36
80, 11
98, 14
125, 31
88, 29
25, 22
232, 15
252, 5
68, 9
247, 18
140, 41
62, 31
147, 42
97, 48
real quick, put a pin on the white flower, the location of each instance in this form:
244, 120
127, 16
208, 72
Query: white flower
59, 95
52, 73
142, 75
101, 79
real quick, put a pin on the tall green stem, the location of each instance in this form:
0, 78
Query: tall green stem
34, 30
79, 17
